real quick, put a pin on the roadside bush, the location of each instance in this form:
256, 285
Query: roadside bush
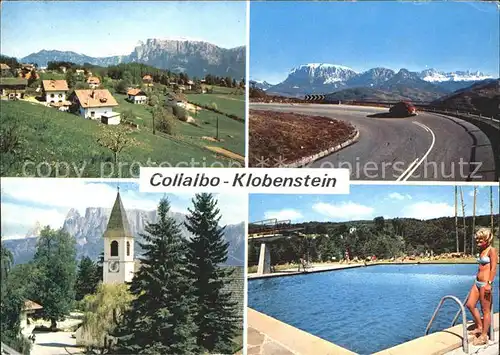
122, 86
80, 85
128, 115
180, 113
164, 121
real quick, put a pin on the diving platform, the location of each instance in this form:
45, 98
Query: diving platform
267, 231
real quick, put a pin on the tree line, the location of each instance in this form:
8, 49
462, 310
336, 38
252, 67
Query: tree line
179, 301
382, 238
133, 73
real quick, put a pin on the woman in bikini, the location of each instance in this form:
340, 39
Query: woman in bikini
481, 290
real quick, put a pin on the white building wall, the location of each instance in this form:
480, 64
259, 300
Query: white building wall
98, 112
59, 96
127, 266
114, 120
140, 99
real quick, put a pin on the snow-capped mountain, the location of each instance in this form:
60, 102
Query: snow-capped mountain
322, 78
433, 76
371, 78
263, 85
321, 73
315, 77
88, 229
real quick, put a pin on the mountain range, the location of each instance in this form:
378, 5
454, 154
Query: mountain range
482, 97
195, 58
263, 85
321, 78
89, 228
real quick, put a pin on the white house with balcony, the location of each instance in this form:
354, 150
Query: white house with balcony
94, 82
137, 96
97, 105
55, 91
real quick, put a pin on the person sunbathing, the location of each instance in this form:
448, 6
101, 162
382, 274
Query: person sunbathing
481, 289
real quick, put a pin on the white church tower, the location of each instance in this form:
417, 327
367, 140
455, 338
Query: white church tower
118, 266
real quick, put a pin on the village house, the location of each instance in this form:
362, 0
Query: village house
27, 67
97, 105
174, 100
189, 85
147, 80
63, 69
137, 96
29, 308
93, 82
13, 88
26, 71
79, 72
4, 69
55, 91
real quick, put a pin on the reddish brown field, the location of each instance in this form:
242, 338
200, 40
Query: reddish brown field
288, 137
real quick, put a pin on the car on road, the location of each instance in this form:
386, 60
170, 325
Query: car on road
403, 108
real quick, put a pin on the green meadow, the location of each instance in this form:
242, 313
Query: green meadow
231, 132
48, 138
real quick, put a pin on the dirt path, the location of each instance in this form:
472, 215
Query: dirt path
55, 343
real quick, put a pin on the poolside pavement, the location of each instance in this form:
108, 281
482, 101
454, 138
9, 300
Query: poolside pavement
439, 343
269, 336
490, 349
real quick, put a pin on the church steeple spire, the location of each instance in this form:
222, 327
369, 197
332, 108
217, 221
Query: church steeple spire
118, 225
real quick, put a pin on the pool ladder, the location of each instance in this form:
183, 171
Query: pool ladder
465, 337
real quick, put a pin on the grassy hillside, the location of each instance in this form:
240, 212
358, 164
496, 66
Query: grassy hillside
229, 104
483, 97
231, 132
48, 137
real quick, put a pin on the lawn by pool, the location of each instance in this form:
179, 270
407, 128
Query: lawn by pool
365, 309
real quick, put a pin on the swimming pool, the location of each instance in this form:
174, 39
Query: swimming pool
365, 309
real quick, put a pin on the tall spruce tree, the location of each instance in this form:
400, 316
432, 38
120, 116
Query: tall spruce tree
87, 279
217, 316
55, 262
160, 319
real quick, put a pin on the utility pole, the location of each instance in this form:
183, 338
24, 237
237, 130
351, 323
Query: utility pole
473, 222
463, 214
217, 128
456, 218
491, 210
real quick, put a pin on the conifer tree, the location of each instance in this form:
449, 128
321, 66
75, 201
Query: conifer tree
56, 273
216, 316
160, 319
87, 279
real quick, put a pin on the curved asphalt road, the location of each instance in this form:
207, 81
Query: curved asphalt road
424, 147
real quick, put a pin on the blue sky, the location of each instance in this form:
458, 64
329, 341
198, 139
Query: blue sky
48, 201
104, 28
447, 36
368, 202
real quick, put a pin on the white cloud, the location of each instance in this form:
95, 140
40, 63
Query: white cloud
345, 210
71, 193
428, 210
48, 201
283, 214
17, 220
398, 196
471, 192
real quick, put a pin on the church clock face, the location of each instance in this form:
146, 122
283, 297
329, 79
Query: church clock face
114, 266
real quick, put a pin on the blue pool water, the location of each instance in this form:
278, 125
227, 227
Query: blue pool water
365, 309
